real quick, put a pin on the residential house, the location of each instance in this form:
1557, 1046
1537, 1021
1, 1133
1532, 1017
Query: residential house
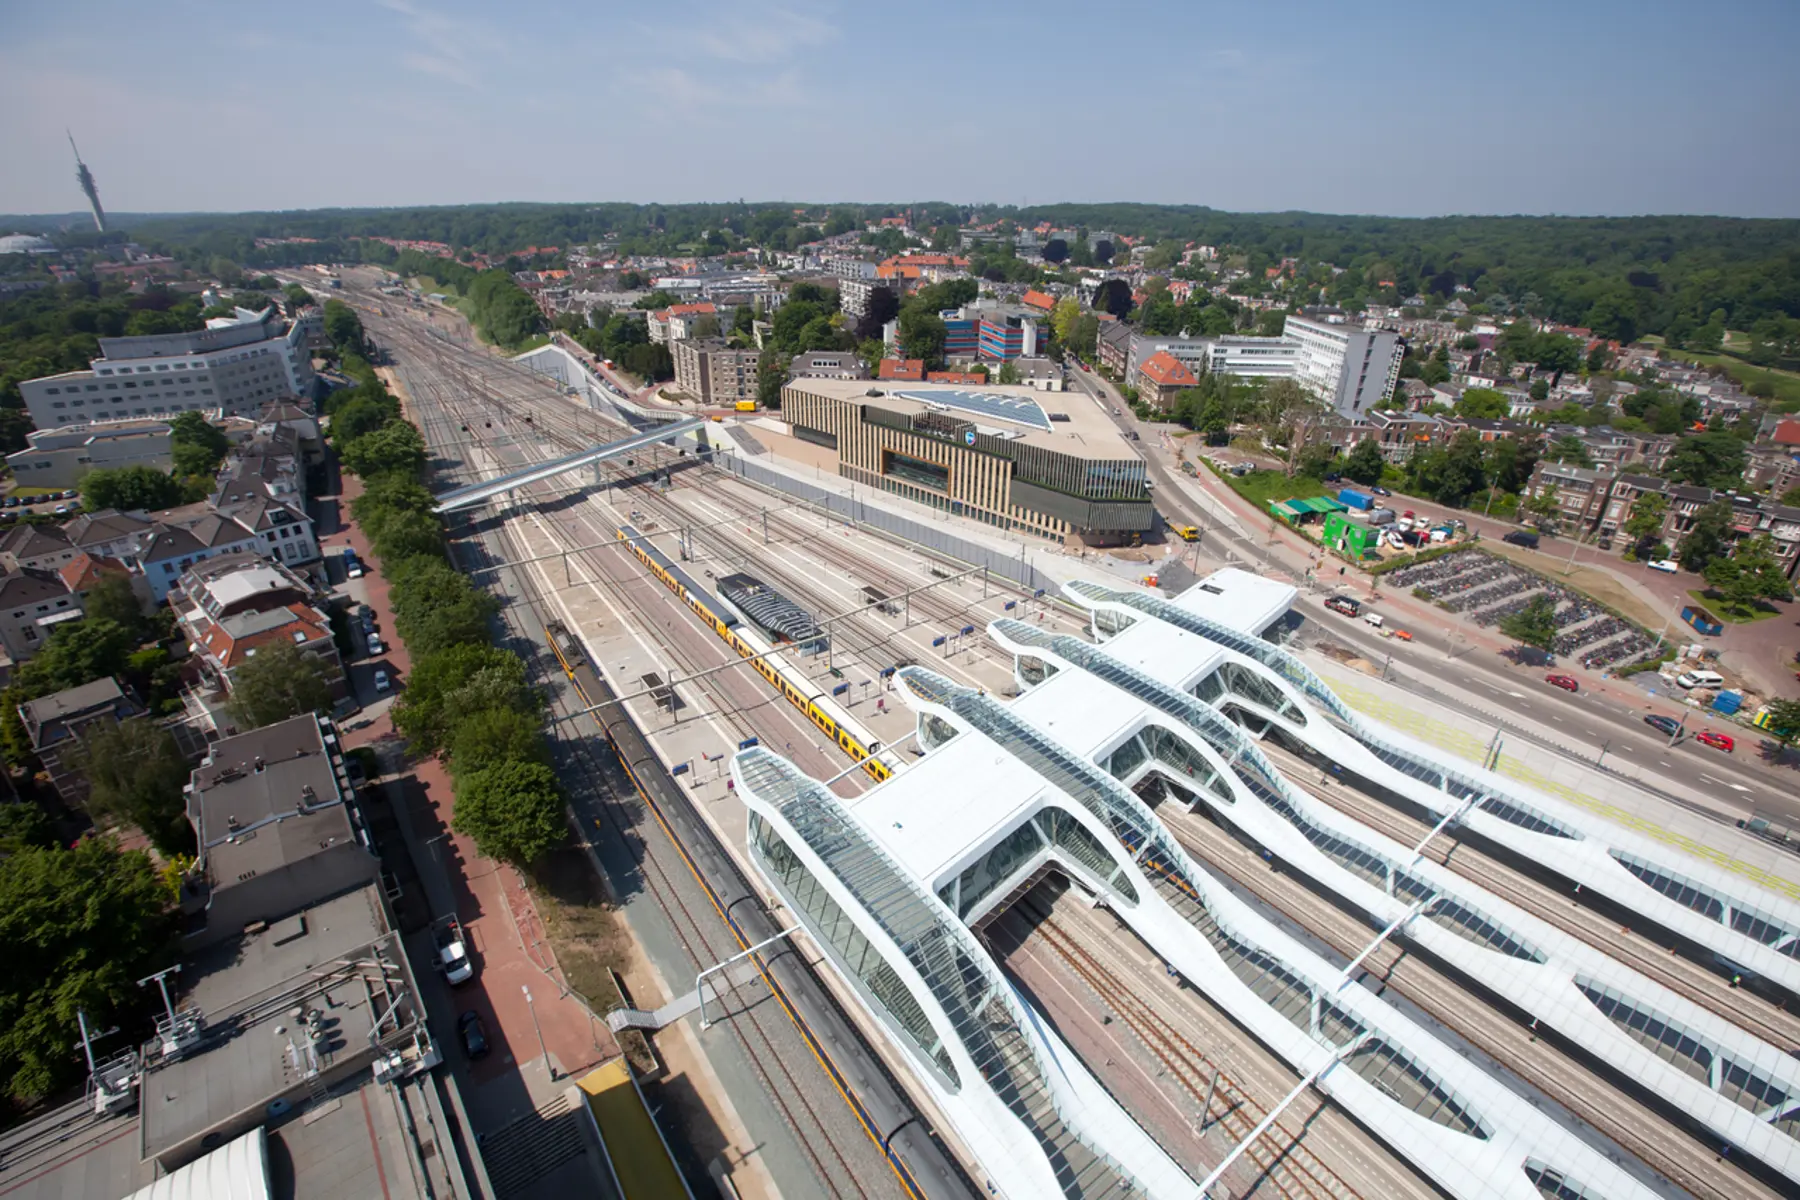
1781, 523
1581, 492
1113, 346
108, 533
1771, 469
1400, 433
1040, 374
1040, 301
908, 370
828, 364
185, 536
58, 723
286, 784
678, 322
232, 605
1622, 501
1685, 503
1161, 377
32, 603
711, 372
32, 547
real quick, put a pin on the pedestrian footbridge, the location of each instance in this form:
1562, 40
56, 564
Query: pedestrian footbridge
475, 494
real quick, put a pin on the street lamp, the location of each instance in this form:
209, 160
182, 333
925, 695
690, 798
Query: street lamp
548, 1065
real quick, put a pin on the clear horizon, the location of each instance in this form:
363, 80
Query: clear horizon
1602, 109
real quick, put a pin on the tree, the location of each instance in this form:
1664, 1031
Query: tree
1708, 538
135, 771
1714, 460
396, 446
78, 928
359, 417
922, 336
1533, 625
196, 444
1056, 250
1791, 497
445, 686
344, 328
1063, 318
1572, 450
1009, 373
771, 375
278, 682
1483, 402
130, 489
112, 600
1114, 296
496, 735
1544, 505
1103, 251
1365, 462
1645, 523
1462, 473
1747, 578
513, 810
1784, 720
436, 607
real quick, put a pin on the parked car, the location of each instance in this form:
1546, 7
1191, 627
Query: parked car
1717, 740
1380, 491
1345, 605
1662, 724
1567, 683
1667, 566
382, 682
375, 646
474, 1035
1522, 537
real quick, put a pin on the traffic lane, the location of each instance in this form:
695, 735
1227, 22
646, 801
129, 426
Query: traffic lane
1602, 720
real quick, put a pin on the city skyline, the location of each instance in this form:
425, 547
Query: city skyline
1600, 110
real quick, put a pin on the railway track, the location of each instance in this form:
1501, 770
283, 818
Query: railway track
1550, 1068
841, 1164
1748, 1010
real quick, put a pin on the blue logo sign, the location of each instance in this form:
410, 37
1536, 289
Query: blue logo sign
969, 437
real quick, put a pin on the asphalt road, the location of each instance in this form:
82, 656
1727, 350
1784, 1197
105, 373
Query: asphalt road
1437, 657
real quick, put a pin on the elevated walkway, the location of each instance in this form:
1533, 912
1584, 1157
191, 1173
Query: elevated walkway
475, 494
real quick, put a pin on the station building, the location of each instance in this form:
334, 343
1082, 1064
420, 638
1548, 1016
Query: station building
1081, 776
996, 454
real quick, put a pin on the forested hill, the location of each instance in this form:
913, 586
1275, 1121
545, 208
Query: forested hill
1621, 276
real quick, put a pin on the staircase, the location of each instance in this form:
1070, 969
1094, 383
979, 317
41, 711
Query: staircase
521, 1153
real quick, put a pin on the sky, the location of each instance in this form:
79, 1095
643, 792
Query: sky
1403, 109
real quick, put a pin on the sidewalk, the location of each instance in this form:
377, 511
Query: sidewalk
492, 900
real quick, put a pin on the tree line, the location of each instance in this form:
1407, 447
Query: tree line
467, 699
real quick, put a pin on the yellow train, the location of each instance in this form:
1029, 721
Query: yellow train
819, 708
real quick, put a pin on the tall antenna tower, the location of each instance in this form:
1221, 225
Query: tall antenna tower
85, 178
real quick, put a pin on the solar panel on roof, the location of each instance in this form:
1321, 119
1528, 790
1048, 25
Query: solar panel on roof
1020, 410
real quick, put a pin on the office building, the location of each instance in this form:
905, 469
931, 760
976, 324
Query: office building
995, 454
1351, 367
856, 295
236, 365
711, 372
59, 456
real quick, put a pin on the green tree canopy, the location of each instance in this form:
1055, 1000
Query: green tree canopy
130, 489
435, 606
1483, 402
279, 682
1645, 524
395, 446
196, 445
135, 771
490, 735
1748, 577
1708, 538
456, 682
1533, 625
1365, 462
1714, 460
513, 810
78, 928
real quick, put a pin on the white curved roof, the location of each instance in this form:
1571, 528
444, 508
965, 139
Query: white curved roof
235, 1171
25, 243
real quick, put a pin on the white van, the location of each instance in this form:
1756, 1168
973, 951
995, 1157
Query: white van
1373, 619
1700, 678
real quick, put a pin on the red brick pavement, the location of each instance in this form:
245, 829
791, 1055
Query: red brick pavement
495, 907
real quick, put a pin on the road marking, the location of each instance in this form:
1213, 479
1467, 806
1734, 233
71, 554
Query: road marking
1517, 695
1665, 763
1737, 787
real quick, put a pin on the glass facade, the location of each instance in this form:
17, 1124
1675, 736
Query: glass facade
881, 984
976, 1000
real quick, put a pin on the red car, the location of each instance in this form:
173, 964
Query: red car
1721, 741
1567, 683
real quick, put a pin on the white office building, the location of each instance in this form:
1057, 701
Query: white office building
1352, 367
236, 364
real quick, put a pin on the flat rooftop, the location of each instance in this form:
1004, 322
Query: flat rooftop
1014, 412
327, 958
1239, 600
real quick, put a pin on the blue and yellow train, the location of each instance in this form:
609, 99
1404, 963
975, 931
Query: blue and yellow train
798, 691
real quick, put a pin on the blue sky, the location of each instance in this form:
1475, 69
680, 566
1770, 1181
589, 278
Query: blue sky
1583, 106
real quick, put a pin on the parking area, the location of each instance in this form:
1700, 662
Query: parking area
1485, 590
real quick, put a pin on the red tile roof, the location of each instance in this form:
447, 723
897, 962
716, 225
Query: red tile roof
1165, 370
905, 369
1037, 299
